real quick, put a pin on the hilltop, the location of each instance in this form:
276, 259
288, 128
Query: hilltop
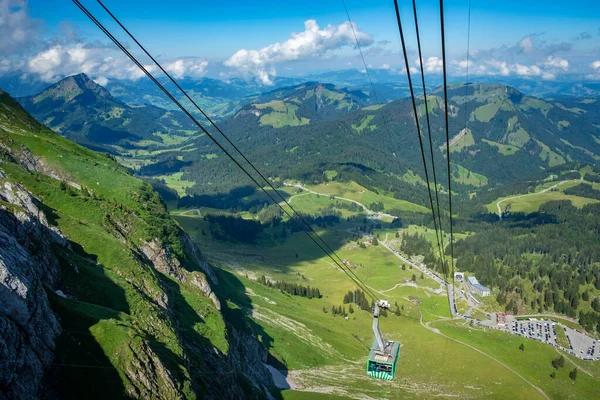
301, 104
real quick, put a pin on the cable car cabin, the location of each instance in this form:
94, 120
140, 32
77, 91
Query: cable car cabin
384, 353
382, 365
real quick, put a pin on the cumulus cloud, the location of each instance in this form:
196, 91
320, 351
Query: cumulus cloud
17, 29
595, 64
312, 42
60, 60
186, 67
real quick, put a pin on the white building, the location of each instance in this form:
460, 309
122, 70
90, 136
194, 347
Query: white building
478, 288
459, 276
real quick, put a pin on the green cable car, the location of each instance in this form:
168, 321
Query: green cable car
384, 353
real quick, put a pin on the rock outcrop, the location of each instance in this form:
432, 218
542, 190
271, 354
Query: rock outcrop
28, 327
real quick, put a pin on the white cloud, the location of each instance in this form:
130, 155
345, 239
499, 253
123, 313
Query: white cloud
312, 42
17, 29
432, 65
557, 62
385, 66
186, 67
101, 80
526, 44
59, 61
595, 64
524, 70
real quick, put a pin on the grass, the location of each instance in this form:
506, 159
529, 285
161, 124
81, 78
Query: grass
373, 107
410, 177
330, 174
469, 178
284, 114
486, 112
505, 149
119, 317
533, 363
552, 158
431, 365
428, 361
532, 202
465, 141
518, 138
356, 192
175, 181
365, 124
561, 337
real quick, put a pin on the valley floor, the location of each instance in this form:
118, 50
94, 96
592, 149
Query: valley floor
324, 356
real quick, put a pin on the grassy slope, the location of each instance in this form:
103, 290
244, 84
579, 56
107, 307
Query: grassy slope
533, 202
430, 364
356, 192
114, 311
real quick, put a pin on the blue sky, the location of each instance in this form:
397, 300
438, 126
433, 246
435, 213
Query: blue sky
534, 39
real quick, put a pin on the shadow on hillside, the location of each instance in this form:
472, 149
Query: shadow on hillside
80, 369
243, 198
213, 373
236, 308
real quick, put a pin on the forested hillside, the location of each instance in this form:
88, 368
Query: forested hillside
509, 138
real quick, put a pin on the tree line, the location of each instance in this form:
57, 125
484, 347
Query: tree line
291, 288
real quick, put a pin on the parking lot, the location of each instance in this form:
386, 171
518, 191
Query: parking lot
543, 331
580, 345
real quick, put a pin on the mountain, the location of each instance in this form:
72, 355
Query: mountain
301, 104
102, 294
87, 113
509, 137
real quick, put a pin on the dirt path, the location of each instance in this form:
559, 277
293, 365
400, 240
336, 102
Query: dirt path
571, 361
437, 331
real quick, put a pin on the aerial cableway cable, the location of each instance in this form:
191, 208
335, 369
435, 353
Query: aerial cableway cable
439, 238
468, 56
348, 272
447, 136
414, 104
360, 51
268, 182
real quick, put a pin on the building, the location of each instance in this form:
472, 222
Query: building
476, 287
459, 276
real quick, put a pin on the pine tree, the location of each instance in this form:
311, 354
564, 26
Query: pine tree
573, 374
522, 347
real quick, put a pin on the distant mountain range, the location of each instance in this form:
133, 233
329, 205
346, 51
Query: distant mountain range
498, 134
